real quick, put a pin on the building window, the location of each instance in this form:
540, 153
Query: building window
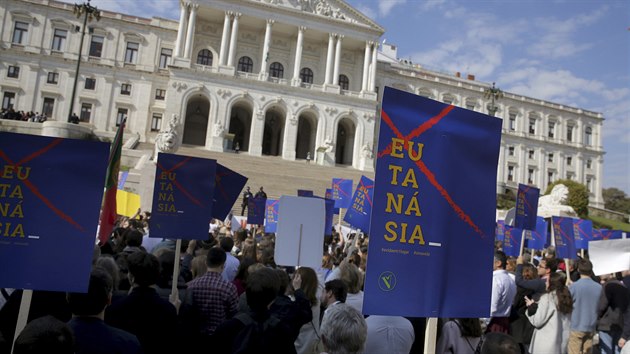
96, 46
552, 130
59, 38
13, 71
532, 126
125, 89
510, 173
530, 176
588, 136
121, 115
344, 82
569, 133
589, 184
512, 121
165, 57
8, 100
19, 32
276, 70
86, 112
245, 64
447, 99
511, 151
131, 54
156, 122
530, 154
569, 160
306, 75
204, 57
550, 177
550, 158
470, 105
90, 83
49, 105
589, 163
160, 94
53, 78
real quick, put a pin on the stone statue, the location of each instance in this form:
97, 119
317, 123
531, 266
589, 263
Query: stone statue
555, 203
167, 140
218, 129
328, 144
366, 151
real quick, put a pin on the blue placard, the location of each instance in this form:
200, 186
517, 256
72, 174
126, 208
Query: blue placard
122, 178
342, 192
271, 215
597, 235
582, 233
182, 197
51, 190
228, 186
512, 241
434, 210
256, 210
611, 234
564, 237
537, 239
526, 207
500, 231
304, 193
360, 209
330, 211
329, 195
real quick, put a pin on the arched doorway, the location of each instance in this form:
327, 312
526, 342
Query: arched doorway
240, 125
306, 134
274, 129
344, 148
196, 124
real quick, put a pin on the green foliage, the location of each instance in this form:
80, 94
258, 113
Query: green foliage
578, 196
603, 223
615, 199
506, 201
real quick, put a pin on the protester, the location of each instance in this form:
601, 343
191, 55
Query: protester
459, 336
261, 194
520, 327
613, 303
351, 275
247, 195
296, 313
45, 335
335, 292
390, 334
585, 293
307, 341
501, 343
231, 262
343, 330
503, 292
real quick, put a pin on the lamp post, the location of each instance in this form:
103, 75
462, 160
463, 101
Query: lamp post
88, 12
493, 94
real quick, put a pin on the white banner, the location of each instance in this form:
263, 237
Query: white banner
609, 256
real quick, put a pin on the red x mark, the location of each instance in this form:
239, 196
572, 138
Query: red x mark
423, 168
558, 229
34, 188
524, 200
219, 185
177, 184
583, 232
273, 210
367, 196
339, 190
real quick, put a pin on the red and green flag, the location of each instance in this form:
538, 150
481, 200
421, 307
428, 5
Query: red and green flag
108, 212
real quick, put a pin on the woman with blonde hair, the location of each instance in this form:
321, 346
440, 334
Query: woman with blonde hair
308, 339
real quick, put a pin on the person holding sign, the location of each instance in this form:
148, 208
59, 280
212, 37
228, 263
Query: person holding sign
585, 293
503, 291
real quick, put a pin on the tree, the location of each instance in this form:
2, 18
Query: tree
615, 199
578, 196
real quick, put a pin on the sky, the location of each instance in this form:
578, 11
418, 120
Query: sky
572, 52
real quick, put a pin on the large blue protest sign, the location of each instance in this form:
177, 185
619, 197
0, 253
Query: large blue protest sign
597, 235
526, 207
564, 237
434, 210
304, 193
228, 186
182, 197
512, 241
582, 233
500, 231
611, 234
537, 239
342, 192
51, 191
271, 215
360, 209
256, 210
329, 195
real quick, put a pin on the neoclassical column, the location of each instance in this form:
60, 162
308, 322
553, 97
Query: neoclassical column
224, 38
366, 66
267, 43
180, 30
233, 39
337, 60
329, 57
191, 29
298, 54
373, 74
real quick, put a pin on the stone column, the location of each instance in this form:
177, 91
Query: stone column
224, 39
373, 74
597, 183
267, 43
191, 29
337, 61
180, 30
233, 39
329, 58
298, 55
366, 66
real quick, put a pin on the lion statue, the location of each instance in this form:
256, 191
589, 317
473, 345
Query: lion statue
555, 203
167, 140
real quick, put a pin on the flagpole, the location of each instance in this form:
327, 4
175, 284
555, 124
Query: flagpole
25, 305
523, 235
178, 252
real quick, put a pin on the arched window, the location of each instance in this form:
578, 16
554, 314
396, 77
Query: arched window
306, 75
245, 64
204, 57
344, 82
276, 70
588, 136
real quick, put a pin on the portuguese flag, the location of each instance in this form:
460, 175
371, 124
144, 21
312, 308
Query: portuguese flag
108, 212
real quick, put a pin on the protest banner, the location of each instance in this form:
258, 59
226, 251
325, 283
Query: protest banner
562, 228
329, 195
360, 210
182, 197
330, 210
51, 191
536, 239
228, 186
300, 231
127, 203
512, 241
611, 234
342, 192
271, 215
256, 210
434, 210
500, 231
582, 233
609, 256
526, 207
304, 193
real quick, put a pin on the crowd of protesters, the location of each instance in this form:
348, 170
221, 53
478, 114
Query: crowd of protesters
231, 297
31, 116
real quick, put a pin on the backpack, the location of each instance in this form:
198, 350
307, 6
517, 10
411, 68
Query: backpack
252, 338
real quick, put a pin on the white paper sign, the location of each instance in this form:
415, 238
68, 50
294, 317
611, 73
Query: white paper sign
609, 256
300, 231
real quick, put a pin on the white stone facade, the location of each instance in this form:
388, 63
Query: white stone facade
282, 77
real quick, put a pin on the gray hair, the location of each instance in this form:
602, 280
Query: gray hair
343, 330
